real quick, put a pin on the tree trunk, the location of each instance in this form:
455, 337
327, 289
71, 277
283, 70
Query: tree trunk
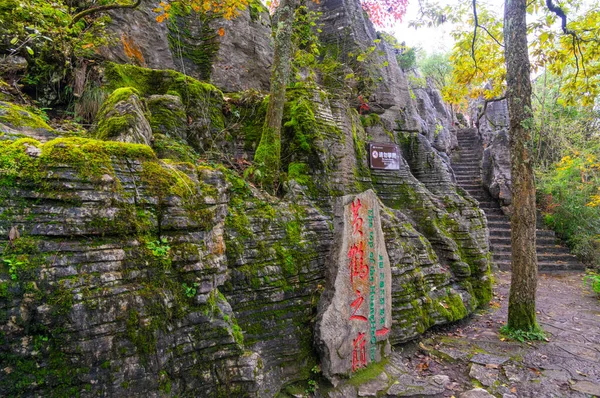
521, 307
268, 153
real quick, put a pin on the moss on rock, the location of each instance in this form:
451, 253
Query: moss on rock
16, 116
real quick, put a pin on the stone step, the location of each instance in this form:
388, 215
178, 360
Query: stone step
542, 257
497, 217
465, 165
505, 240
484, 200
468, 179
540, 233
542, 249
546, 266
493, 212
474, 187
498, 224
485, 203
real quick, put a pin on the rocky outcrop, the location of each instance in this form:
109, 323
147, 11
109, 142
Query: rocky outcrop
123, 118
437, 121
17, 122
495, 169
493, 131
189, 42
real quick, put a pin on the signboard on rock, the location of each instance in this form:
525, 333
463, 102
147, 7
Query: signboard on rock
354, 316
384, 156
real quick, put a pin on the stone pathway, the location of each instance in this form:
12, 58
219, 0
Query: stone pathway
552, 255
474, 354
470, 359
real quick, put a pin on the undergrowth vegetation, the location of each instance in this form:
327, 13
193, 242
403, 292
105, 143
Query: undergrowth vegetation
567, 150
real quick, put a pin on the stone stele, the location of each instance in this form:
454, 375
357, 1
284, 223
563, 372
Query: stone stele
354, 314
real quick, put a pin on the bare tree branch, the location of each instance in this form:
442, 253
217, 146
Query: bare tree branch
576, 39
485, 104
491, 35
108, 7
474, 32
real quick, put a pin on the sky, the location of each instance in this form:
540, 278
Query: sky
438, 39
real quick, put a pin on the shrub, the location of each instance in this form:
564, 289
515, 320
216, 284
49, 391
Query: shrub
571, 202
592, 280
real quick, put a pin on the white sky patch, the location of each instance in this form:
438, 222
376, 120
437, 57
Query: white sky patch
438, 39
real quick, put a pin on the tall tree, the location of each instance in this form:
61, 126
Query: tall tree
521, 307
269, 149
268, 152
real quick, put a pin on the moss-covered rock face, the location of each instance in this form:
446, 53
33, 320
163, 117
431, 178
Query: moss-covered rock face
123, 117
114, 286
189, 42
168, 115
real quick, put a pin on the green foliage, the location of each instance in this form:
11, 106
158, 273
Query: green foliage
306, 44
592, 279
570, 199
190, 290
437, 68
535, 333
40, 31
407, 59
159, 248
13, 265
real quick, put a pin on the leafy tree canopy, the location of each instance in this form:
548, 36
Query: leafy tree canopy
571, 49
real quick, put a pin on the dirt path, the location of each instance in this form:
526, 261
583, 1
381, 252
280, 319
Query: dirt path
473, 353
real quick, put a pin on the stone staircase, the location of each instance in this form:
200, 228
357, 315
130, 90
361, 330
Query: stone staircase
552, 255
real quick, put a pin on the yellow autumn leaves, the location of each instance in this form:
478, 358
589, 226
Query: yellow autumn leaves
227, 9
585, 167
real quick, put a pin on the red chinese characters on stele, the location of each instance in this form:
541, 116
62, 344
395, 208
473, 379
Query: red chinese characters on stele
359, 353
359, 272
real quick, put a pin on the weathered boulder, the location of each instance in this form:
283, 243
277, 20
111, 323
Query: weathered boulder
124, 117
117, 278
493, 119
437, 121
347, 30
493, 128
495, 168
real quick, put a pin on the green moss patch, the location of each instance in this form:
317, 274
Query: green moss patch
16, 116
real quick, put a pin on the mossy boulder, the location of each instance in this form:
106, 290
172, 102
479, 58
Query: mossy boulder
17, 121
202, 102
123, 117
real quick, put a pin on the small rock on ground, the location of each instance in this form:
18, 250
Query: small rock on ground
476, 393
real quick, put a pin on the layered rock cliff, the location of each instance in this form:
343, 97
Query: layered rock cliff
159, 270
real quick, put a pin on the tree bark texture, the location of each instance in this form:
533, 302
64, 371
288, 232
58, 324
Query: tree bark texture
268, 152
521, 308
